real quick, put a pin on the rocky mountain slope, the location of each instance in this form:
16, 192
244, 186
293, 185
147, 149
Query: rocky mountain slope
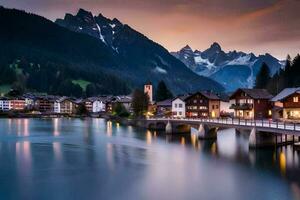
232, 69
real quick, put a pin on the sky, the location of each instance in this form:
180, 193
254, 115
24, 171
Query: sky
259, 26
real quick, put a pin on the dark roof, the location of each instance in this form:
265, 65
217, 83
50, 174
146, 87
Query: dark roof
167, 102
254, 93
208, 95
285, 93
182, 97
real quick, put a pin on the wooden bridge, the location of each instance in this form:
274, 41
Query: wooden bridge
261, 132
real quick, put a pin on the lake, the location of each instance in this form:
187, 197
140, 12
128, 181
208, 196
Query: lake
98, 159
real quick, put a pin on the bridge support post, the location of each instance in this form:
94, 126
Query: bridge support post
261, 139
207, 134
169, 128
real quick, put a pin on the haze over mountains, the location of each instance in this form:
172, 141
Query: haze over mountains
106, 55
233, 69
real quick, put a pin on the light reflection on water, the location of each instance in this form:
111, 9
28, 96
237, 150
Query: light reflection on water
94, 159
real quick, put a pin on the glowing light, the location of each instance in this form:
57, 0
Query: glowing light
55, 124
282, 163
213, 148
148, 137
182, 141
194, 140
26, 129
109, 128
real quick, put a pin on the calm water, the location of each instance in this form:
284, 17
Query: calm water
95, 159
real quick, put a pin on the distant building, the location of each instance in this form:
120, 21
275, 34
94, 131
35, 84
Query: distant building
179, 106
251, 103
148, 89
45, 104
18, 104
5, 104
164, 108
203, 105
286, 104
95, 104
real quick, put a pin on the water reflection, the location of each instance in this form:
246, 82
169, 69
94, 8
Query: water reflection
92, 158
55, 126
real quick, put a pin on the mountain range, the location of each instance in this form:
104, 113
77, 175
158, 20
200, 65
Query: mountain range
96, 53
143, 59
234, 69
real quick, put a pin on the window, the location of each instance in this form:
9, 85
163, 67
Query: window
180, 105
295, 99
195, 101
217, 107
175, 105
213, 106
202, 107
180, 113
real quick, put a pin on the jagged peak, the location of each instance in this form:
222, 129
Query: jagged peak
187, 47
216, 46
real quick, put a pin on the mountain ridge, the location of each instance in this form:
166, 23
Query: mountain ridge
144, 56
39, 48
231, 69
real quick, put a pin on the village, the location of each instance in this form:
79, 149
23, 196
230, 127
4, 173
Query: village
244, 103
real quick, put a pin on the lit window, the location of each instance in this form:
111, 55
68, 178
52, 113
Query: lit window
295, 99
270, 112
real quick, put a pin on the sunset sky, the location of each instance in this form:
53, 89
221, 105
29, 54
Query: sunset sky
257, 26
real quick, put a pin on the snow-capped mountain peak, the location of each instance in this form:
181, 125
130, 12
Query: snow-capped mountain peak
233, 69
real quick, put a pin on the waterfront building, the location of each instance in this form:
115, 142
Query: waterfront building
251, 103
5, 104
202, 105
286, 104
17, 104
45, 104
164, 108
95, 104
179, 106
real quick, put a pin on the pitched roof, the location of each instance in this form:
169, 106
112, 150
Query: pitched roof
182, 97
208, 95
285, 93
167, 102
254, 93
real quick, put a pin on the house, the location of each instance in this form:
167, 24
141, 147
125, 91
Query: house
203, 105
5, 104
251, 103
286, 104
18, 104
164, 107
225, 110
95, 104
45, 104
178, 106
29, 100
125, 101
68, 105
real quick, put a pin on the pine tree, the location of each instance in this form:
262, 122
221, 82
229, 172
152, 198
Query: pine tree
163, 92
140, 102
263, 77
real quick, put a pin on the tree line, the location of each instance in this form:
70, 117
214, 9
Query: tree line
286, 77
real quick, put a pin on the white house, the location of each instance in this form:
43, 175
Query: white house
5, 104
178, 106
98, 105
57, 106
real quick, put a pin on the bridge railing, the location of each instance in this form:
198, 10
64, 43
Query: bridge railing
240, 122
